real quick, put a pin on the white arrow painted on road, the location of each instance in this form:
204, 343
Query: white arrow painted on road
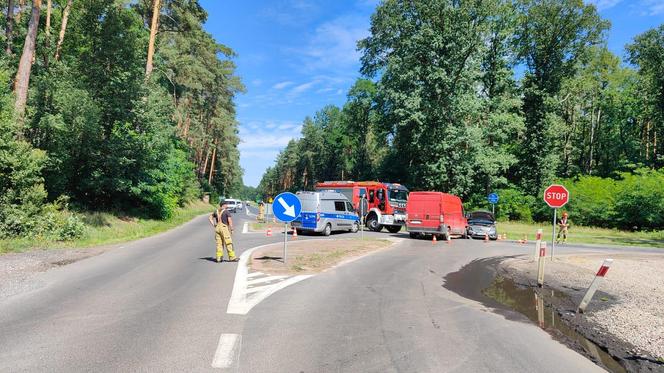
290, 210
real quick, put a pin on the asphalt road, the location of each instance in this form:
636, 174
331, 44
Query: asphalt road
159, 304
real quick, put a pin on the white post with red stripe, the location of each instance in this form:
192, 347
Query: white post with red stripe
540, 265
538, 241
594, 285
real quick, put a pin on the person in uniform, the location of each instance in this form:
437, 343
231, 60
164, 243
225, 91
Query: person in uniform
563, 227
223, 228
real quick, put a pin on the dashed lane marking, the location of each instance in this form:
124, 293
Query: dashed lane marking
228, 351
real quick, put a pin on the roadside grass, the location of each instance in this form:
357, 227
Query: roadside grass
256, 226
313, 256
584, 235
104, 228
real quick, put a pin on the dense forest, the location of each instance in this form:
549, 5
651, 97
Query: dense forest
497, 95
111, 105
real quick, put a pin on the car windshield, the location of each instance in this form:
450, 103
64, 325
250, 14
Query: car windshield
398, 195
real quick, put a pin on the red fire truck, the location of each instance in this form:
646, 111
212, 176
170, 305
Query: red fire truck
383, 204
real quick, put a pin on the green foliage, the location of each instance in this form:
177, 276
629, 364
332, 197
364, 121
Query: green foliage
100, 132
445, 112
592, 200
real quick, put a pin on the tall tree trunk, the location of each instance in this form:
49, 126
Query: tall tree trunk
214, 155
47, 31
63, 28
207, 158
9, 30
22, 81
153, 35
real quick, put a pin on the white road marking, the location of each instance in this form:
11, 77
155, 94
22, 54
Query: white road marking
255, 274
245, 227
228, 350
244, 299
264, 280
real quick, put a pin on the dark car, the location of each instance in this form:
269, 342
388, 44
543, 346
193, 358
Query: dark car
481, 223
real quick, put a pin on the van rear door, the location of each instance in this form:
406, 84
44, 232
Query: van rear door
310, 210
424, 210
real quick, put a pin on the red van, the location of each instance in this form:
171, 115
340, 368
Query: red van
435, 213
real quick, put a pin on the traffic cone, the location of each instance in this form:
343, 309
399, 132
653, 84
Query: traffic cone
294, 233
486, 237
269, 232
434, 240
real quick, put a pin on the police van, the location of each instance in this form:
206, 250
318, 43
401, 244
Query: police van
326, 212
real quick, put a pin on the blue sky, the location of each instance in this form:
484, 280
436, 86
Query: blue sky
296, 56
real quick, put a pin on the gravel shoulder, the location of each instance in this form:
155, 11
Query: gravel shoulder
19, 271
629, 304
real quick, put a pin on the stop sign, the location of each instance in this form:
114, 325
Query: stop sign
556, 196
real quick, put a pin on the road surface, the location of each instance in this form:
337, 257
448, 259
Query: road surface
160, 304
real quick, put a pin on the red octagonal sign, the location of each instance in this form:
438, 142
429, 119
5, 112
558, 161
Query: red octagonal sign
556, 196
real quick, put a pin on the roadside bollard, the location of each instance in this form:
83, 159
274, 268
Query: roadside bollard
540, 264
434, 240
269, 232
294, 233
448, 240
599, 276
538, 241
539, 306
486, 237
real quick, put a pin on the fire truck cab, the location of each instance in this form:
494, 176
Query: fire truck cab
381, 204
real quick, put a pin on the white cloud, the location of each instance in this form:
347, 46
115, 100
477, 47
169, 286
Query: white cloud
652, 7
333, 45
256, 82
290, 12
282, 85
303, 87
260, 136
604, 4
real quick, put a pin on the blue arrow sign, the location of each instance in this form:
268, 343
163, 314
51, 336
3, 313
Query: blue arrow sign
287, 207
492, 198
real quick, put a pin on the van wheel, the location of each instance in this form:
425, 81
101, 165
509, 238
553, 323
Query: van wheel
356, 227
328, 230
372, 223
413, 235
393, 228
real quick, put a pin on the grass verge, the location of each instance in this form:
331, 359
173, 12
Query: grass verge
258, 227
104, 228
584, 235
313, 256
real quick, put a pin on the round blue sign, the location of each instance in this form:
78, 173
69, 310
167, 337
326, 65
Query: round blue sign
492, 198
286, 207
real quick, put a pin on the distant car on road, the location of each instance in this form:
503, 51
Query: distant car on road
239, 205
430, 213
481, 223
325, 212
232, 204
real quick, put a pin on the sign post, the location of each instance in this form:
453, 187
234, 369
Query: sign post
556, 196
493, 199
287, 207
362, 218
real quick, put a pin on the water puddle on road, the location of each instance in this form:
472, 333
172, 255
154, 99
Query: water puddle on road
537, 307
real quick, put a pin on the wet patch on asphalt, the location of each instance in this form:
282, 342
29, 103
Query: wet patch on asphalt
515, 298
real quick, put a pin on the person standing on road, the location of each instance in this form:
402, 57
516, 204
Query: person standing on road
563, 227
223, 228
